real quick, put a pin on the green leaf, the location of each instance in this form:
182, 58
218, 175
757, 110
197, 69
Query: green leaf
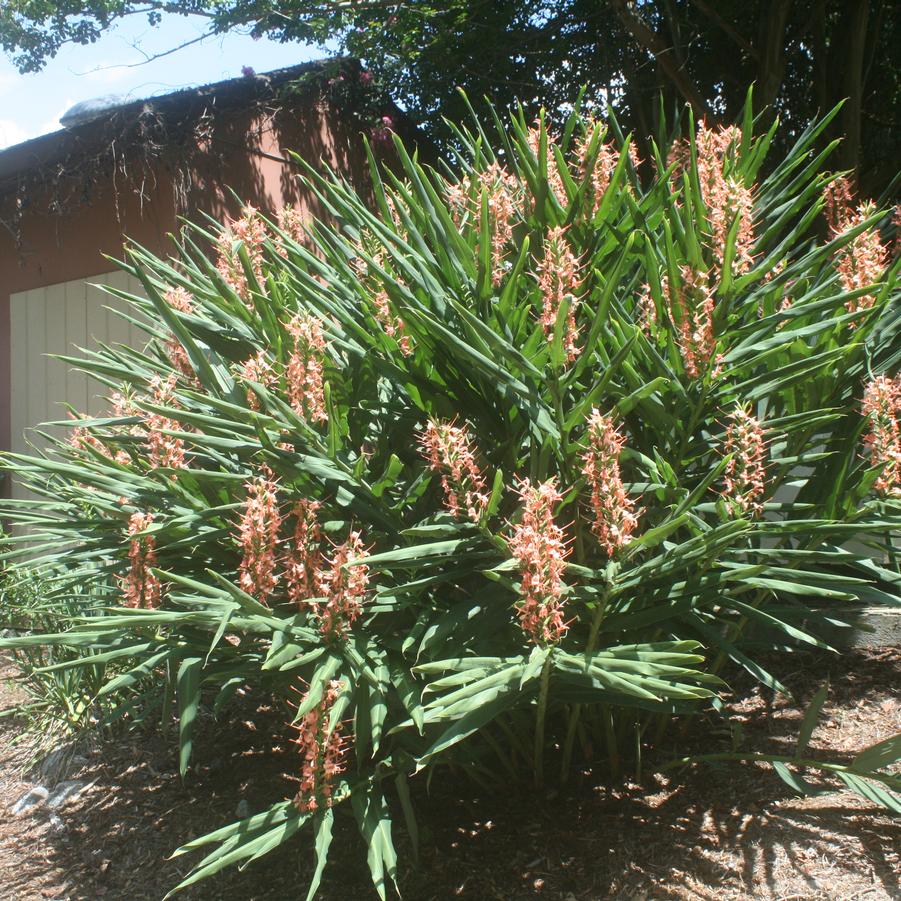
188, 702
879, 756
811, 715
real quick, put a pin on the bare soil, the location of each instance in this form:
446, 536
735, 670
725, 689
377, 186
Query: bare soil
731, 832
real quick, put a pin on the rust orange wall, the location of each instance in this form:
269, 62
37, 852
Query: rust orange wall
242, 153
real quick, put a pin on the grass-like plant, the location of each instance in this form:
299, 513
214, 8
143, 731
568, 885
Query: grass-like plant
493, 466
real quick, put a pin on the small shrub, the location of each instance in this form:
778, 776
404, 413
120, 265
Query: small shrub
503, 463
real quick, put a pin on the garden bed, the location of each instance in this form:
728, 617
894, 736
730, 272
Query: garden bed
728, 833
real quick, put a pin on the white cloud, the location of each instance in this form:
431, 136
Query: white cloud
11, 133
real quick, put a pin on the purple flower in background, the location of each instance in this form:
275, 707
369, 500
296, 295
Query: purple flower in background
247, 71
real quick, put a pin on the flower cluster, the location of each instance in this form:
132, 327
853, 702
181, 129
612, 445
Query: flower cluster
882, 407
613, 509
726, 197
559, 280
448, 449
258, 537
179, 299
745, 475
343, 581
304, 369
692, 309
141, 587
554, 179
257, 369
503, 193
292, 220
322, 747
164, 450
538, 544
601, 171
838, 203
501, 190
646, 310
862, 261
250, 231
304, 557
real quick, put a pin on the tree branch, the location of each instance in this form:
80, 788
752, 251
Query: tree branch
732, 32
654, 45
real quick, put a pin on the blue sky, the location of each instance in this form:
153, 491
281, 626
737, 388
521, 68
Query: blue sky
30, 105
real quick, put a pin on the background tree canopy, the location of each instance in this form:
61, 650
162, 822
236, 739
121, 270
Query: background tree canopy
803, 57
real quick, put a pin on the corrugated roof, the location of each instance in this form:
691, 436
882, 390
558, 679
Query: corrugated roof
60, 145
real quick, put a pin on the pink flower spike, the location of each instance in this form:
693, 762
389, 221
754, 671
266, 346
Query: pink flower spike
304, 369
141, 587
343, 587
448, 449
257, 369
251, 231
322, 749
538, 545
555, 182
692, 309
882, 407
745, 476
614, 511
559, 280
304, 557
165, 450
862, 261
258, 537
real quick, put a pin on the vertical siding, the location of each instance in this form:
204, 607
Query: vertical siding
61, 319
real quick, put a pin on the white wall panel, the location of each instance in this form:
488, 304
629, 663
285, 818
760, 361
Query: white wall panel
61, 319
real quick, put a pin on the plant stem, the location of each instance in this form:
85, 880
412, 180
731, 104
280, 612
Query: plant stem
541, 715
590, 648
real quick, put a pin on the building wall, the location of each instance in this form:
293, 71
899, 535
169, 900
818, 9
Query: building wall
62, 319
58, 248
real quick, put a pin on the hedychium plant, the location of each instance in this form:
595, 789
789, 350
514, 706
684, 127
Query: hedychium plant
492, 467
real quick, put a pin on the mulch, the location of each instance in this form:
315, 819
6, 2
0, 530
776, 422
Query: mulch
730, 832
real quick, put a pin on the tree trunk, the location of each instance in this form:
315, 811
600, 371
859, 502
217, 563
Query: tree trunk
852, 39
771, 55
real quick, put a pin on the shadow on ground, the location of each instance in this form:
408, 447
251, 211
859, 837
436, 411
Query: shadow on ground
731, 832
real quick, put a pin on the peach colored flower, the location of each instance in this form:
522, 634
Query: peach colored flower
538, 545
559, 280
882, 407
304, 370
838, 203
554, 179
257, 369
179, 299
304, 557
250, 231
258, 536
392, 325
691, 309
862, 261
322, 747
646, 310
602, 170
503, 193
292, 220
745, 476
449, 450
164, 450
343, 588
141, 587
726, 197
613, 509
